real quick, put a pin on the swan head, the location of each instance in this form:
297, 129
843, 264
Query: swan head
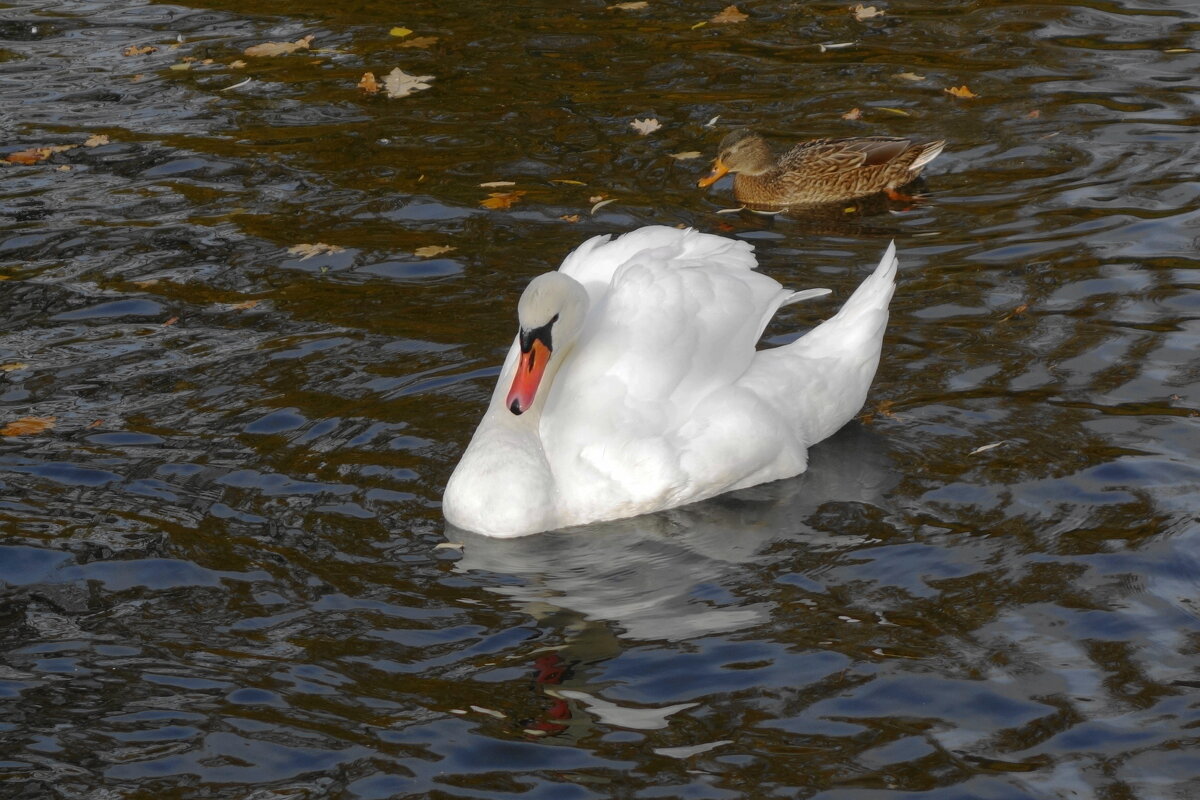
550, 314
741, 151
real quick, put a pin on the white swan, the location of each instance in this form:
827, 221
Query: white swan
634, 386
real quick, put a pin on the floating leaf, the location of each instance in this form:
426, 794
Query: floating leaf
834, 45
602, 204
899, 111
368, 83
960, 91
239, 64
570, 218
27, 426
645, 126
502, 199
244, 305
13, 367
420, 41
862, 12
567, 182
686, 155
237, 85
448, 546
433, 250
96, 140
171, 321
1033, 114
630, 6
909, 76
399, 83
35, 154
986, 447
279, 48
728, 16
495, 184
853, 113
400, 32
139, 50
700, 24
180, 67
712, 121
306, 251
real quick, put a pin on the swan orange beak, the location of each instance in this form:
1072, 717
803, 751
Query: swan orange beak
529, 375
719, 171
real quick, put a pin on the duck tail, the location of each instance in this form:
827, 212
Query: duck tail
929, 151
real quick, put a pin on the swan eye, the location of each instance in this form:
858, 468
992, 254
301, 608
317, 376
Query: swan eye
542, 334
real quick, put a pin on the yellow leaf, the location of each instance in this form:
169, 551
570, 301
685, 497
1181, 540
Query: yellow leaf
95, 140
862, 12
420, 41
570, 218
26, 426
13, 367
910, 76
239, 64
634, 6
433, 250
567, 181
686, 155
137, 50
890, 110
853, 113
728, 16
183, 66
306, 251
496, 184
244, 305
700, 24
400, 32
960, 91
502, 199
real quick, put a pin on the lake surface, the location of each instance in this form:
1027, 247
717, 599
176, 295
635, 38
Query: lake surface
223, 565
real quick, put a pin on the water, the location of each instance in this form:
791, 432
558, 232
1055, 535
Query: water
221, 566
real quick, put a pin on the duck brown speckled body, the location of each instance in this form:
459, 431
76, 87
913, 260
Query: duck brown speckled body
819, 171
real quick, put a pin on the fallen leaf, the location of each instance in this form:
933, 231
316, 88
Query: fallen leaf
602, 204
448, 546
731, 210
712, 121
985, 448
399, 83
95, 140
567, 182
64, 168
632, 6
400, 32
35, 154
910, 76
1033, 114
960, 91
570, 218
181, 66
171, 321
495, 184
885, 408
237, 85
139, 50
13, 367
595, 198
136, 78
368, 83
244, 305
502, 199
1016, 312
686, 155
96, 423
853, 113
890, 110
147, 283
700, 24
862, 12
433, 250
239, 64
306, 251
728, 16
26, 426
834, 45
645, 126
420, 41
279, 48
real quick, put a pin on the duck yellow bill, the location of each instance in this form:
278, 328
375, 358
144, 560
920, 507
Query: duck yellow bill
719, 171
529, 375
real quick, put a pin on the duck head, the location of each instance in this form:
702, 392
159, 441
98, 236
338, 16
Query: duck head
550, 314
740, 151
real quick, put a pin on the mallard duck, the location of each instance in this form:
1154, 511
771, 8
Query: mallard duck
819, 171
633, 384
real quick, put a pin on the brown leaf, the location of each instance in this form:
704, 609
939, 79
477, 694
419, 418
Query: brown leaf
645, 126
95, 140
960, 91
368, 83
853, 113
1033, 114
13, 367
96, 423
399, 83
239, 64
433, 250
632, 6
306, 251
862, 12
885, 408
27, 426
171, 321
279, 48
35, 154
502, 199
910, 76
138, 50
420, 41
686, 155
244, 305
570, 218
728, 16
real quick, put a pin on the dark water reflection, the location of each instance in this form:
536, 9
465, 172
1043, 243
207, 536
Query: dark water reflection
224, 570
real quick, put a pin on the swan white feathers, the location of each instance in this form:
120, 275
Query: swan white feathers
634, 384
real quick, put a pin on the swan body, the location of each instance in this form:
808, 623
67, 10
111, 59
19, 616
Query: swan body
634, 384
